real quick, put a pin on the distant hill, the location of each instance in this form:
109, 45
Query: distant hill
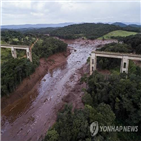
86, 30
74, 31
35, 26
135, 25
120, 24
90, 30
125, 25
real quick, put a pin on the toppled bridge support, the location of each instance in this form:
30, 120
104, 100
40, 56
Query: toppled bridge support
123, 56
14, 53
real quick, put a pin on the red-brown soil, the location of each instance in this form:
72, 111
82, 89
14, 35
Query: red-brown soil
29, 84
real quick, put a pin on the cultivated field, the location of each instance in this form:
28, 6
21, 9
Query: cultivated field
116, 33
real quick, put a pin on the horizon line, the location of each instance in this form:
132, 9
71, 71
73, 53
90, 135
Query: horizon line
127, 23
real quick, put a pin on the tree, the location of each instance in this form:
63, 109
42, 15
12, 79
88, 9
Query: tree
52, 135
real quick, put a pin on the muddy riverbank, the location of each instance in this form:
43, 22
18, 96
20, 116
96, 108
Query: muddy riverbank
29, 84
37, 112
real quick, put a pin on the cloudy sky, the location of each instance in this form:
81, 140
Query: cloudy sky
77, 11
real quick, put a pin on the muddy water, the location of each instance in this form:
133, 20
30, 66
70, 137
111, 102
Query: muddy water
32, 122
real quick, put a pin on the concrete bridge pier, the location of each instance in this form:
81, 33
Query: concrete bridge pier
28, 54
93, 62
123, 56
124, 64
14, 53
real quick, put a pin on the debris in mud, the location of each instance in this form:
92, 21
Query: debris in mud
68, 98
44, 79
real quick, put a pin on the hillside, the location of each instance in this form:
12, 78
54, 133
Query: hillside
36, 31
120, 24
126, 24
117, 33
88, 30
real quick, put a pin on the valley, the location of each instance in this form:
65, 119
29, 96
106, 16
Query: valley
55, 95
36, 111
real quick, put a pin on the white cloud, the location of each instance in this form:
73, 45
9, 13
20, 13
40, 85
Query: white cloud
29, 12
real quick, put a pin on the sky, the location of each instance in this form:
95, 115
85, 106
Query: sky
17, 12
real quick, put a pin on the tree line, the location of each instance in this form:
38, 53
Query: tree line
47, 46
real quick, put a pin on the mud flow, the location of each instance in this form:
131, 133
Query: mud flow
35, 114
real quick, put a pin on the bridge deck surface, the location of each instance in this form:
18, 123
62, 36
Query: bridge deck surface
117, 54
17, 46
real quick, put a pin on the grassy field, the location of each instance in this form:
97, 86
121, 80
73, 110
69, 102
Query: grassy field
116, 33
2, 42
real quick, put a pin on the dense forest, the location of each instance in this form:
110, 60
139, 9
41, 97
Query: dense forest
134, 41
88, 30
37, 31
13, 71
47, 46
110, 101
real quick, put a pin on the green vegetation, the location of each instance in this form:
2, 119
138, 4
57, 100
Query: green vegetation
117, 33
47, 46
122, 94
16, 38
13, 71
110, 101
5, 54
2, 42
90, 30
134, 41
37, 31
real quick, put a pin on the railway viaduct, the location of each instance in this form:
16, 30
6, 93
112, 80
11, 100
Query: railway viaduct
14, 53
123, 56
